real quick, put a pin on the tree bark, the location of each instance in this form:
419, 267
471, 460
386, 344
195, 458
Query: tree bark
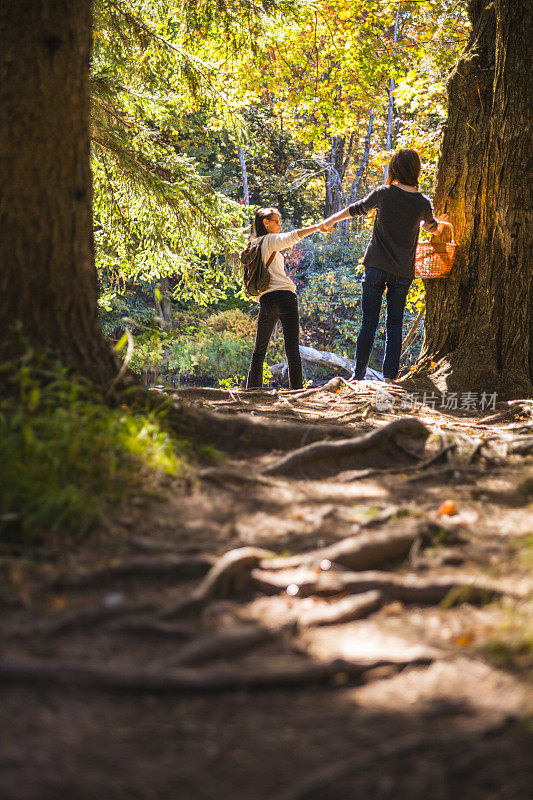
479, 323
48, 279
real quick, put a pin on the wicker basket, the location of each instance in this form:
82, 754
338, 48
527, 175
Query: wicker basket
435, 259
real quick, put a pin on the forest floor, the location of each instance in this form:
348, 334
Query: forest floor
297, 621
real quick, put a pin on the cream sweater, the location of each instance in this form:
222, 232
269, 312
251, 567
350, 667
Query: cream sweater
273, 243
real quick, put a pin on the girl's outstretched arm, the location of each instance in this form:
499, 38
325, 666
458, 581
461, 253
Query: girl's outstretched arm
329, 222
302, 232
282, 241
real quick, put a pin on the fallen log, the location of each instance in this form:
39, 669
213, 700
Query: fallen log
325, 357
280, 370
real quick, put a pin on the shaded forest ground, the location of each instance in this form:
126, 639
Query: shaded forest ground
348, 619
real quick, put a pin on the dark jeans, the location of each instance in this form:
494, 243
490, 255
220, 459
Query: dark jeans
281, 305
374, 283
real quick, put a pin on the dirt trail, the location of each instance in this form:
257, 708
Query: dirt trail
297, 624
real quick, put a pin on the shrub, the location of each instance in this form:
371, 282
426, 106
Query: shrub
68, 457
211, 355
234, 321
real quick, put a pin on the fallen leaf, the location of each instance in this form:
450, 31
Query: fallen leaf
392, 608
449, 507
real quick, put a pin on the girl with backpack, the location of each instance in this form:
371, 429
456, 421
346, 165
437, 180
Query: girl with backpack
278, 300
389, 259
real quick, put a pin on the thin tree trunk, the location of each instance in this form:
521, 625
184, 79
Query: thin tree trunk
365, 159
163, 304
333, 175
244, 173
48, 279
391, 99
479, 323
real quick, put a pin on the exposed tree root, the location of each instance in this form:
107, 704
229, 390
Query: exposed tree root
364, 551
169, 566
154, 628
514, 408
221, 475
369, 450
183, 680
438, 473
223, 645
347, 609
520, 445
332, 385
232, 565
305, 582
83, 618
361, 474
240, 432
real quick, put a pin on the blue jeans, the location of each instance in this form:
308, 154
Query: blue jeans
374, 283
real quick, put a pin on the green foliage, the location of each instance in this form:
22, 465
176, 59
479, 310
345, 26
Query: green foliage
269, 152
149, 351
329, 298
155, 214
68, 457
234, 321
213, 356
127, 307
213, 349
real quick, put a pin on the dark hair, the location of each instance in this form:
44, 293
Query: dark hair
404, 167
258, 228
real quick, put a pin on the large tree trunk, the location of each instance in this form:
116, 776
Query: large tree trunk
47, 276
479, 323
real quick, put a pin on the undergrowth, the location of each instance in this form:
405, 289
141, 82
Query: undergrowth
67, 457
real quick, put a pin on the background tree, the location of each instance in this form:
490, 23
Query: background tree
479, 323
155, 213
328, 72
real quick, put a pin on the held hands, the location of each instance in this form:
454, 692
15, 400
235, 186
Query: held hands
323, 228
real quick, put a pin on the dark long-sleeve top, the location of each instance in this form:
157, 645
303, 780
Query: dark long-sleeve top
396, 227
